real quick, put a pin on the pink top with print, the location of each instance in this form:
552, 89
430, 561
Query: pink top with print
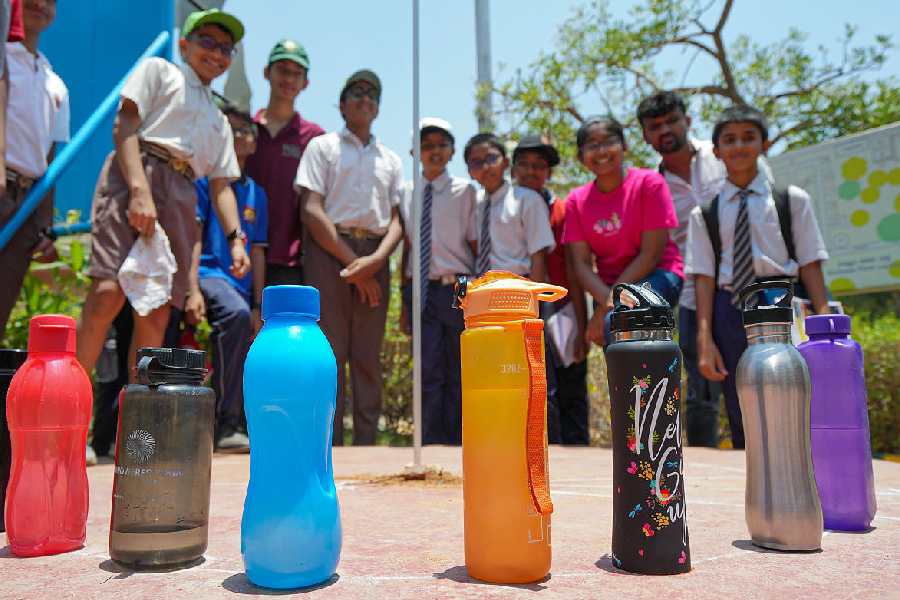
612, 223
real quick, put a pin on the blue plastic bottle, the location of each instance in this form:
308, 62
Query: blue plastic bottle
291, 527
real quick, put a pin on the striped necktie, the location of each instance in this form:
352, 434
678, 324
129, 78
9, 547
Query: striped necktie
425, 242
483, 264
742, 263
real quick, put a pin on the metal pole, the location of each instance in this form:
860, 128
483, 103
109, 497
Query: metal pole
416, 253
483, 51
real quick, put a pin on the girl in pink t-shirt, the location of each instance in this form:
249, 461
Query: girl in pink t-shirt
621, 222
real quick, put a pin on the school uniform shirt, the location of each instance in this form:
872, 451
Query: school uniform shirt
453, 203
274, 166
519, 226
37, 114
770, 256
612, 223
215, 253
177, 111
360, 183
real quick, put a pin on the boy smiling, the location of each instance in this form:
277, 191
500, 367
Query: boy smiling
168, 132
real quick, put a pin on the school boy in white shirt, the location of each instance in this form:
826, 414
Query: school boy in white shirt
350, 185
37, 117
168, 133
752, 248
447, 214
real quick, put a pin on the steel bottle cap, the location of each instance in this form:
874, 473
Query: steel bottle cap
296, 300
825, 324
780, 312
651, 311
51, 333
502, 296
10, 360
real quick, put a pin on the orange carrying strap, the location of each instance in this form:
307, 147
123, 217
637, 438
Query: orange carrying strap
535, 427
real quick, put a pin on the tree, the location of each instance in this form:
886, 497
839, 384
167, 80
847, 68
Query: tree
606, 65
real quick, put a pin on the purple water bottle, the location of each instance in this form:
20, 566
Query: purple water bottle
839, 423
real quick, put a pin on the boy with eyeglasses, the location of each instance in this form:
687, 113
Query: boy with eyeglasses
230, 304
168, 133
283, 137
512, 223
350, 185
447, 215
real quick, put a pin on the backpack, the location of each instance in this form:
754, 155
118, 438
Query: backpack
782, 206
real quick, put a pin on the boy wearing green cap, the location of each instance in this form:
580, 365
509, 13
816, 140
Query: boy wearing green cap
168, 133
351, 186
283, 137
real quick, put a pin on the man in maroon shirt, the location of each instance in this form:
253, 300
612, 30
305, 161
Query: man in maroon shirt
283, 136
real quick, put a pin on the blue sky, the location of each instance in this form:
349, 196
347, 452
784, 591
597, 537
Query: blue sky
342, 36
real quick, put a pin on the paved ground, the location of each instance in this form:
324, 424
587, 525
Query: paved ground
404, 540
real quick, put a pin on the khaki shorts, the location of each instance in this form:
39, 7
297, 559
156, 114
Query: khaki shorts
112, 237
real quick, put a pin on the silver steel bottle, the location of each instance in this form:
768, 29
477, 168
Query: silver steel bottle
782, 505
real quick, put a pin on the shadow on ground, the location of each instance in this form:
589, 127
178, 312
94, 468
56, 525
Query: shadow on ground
239, 584
460, 574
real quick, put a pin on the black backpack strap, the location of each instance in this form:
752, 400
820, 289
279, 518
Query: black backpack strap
711, 219
783, 206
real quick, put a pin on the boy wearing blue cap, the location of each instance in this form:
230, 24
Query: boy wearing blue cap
168, 133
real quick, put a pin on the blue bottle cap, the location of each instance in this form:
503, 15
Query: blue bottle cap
825, 324
294, 300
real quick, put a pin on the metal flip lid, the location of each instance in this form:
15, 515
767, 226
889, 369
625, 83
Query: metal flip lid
651, 311
780, 312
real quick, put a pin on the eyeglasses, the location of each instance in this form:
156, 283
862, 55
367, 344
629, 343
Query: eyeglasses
358, 93
208, 43
432, 147
532, 166
488, 161
248, 131
604, 145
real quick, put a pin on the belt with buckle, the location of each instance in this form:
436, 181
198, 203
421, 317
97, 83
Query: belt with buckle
19, 181
179, 165
358, 233
445, 279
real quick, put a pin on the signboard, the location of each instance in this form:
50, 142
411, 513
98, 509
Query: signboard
854, 183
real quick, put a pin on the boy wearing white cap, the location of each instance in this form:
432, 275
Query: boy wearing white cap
447, 215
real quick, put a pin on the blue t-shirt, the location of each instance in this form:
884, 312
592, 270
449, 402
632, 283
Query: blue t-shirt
215, 255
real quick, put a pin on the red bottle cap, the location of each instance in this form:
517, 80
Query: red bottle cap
51, 333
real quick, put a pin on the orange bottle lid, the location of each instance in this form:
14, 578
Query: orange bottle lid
500, 296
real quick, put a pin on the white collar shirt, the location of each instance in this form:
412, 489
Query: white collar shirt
453, 202
519, 226
361, 183
177, 111
770, 255
37, 114
708, 174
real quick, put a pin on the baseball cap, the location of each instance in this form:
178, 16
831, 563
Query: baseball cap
363, 75
540, 144
213, 16
289, 50
429, 123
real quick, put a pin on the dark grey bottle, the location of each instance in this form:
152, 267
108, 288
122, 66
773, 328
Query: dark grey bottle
650, 534
10, 361
164, 449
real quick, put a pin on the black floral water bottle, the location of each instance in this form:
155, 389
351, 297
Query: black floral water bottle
650, 534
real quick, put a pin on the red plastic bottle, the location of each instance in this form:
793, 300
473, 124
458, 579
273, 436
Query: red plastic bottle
48, 409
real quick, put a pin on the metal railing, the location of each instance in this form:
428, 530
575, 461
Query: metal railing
62, 161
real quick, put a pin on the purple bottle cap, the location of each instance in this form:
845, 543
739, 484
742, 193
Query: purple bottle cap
825, 324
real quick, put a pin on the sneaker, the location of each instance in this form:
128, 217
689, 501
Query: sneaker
234, 443
90, 457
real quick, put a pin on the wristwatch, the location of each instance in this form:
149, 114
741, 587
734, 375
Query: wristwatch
237, 234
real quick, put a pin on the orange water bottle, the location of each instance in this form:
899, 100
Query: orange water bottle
504, 396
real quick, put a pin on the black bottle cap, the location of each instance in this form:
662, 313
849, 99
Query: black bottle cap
11, 359
651, 311
170, 365
780, 312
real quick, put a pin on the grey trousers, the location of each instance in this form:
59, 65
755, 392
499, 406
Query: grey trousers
355, 332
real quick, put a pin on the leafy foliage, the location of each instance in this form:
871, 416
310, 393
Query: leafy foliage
603, 64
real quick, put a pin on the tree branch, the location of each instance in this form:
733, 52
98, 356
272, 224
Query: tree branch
722, 56
806, 124
726, 12
713, 90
